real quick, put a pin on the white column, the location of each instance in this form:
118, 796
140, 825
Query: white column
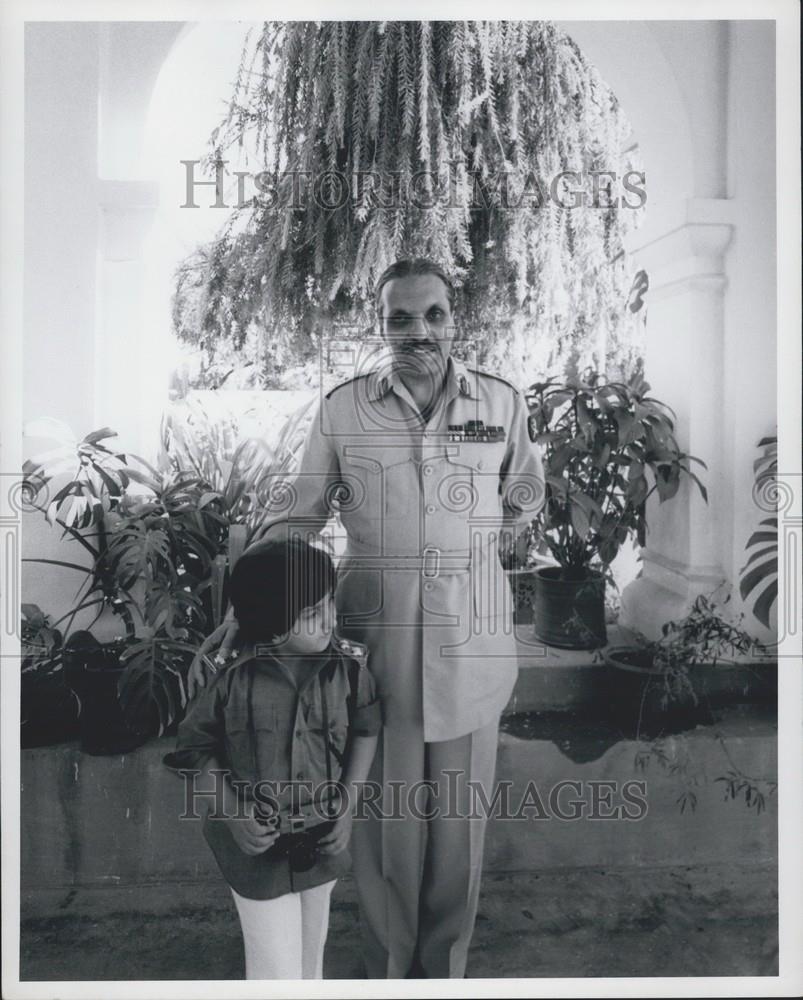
126, 366
683, 253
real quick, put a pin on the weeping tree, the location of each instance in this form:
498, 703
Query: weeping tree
488, 146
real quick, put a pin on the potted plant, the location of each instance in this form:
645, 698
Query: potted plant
152, 537
49, 708
183, 537
681, 681
160, 543
96, 478
697, 662
608, 447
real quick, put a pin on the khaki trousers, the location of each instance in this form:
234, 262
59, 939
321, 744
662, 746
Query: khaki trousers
418, 872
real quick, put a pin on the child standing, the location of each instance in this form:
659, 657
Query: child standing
282, 739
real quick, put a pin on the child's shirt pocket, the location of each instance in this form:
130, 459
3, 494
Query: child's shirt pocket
252, 752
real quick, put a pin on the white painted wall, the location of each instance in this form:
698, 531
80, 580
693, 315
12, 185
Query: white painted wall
61, 220
61, 239
750, 408
87, 211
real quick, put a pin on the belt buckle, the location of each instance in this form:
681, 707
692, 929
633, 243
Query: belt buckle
435, 553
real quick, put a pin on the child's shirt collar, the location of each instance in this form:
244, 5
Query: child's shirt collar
261, 651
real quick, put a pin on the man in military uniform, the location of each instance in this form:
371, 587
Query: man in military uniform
429, 463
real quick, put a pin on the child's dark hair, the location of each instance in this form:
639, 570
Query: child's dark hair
273, 581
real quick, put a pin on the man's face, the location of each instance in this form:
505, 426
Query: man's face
417, 323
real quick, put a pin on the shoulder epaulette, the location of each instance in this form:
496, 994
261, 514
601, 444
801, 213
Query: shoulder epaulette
356, 650
227, 671
342, 385
249, 651
224, 673
498, 378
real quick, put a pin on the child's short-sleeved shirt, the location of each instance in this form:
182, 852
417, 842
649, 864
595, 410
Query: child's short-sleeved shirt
261, 725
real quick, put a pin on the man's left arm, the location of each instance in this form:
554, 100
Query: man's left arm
521, 482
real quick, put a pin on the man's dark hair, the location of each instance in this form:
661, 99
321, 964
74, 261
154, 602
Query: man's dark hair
412, 267
273, 581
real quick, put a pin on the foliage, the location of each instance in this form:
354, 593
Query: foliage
94, 486
608, 447
161, 542
239, 474
376, 140
152, 687
759, 575
702, 636
40, 642
514, 549
673, 756
48, 706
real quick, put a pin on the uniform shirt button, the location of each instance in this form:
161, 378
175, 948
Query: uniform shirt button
431, 508
299, 775
427, 586
427, 470
299, 734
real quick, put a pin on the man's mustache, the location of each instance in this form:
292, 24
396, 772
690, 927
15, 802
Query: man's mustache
412, 346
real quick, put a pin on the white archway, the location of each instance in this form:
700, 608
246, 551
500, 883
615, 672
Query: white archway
627, 54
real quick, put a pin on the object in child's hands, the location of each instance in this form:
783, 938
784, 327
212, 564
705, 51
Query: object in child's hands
297, 841
302, 848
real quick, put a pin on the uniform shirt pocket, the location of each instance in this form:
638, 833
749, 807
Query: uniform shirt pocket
470, 478
383, 481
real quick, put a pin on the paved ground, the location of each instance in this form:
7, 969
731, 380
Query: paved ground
702, 921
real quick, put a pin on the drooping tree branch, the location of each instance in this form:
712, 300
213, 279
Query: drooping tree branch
444, 139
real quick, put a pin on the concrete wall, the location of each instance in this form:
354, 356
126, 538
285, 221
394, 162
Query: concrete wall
91, 821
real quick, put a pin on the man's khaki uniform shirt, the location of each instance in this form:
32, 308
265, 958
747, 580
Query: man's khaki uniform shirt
422, 504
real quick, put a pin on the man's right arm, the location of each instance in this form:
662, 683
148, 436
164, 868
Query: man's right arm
301, 504
296, 504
